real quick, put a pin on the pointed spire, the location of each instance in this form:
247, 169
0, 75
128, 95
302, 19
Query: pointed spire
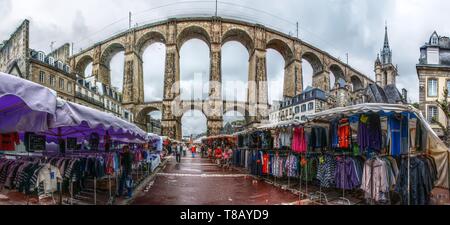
386, 39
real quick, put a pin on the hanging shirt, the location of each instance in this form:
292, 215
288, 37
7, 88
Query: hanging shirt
9, 141
49, 176
344, 134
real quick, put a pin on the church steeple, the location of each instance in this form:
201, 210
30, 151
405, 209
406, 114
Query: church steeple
385, 71
386, 39
386, 53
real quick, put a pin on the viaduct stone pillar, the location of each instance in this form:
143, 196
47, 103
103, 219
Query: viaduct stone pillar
293, 80
99, 70
258, 98
322, 80
214, 106
257, 87
171, 123
133, 83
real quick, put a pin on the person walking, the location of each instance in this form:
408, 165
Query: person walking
193, 150
184, 150
178, 153
126, 180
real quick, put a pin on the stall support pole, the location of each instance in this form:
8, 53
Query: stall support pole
71, 192
60, 193
95, 191
109, 184
409, 163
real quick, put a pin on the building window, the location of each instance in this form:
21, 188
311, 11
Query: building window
60, 65
42, 77
41, 56
297, 109
61, 83
448, 86
432, 113
304, 108
310, 106
51, 61
69, 86
432, 87
52, 80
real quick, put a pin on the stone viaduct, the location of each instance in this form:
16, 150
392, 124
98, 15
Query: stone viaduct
215, 32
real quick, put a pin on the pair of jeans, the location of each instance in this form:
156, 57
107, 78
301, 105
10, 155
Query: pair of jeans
123, 180
178, 158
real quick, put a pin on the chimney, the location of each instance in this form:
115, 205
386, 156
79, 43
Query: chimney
405, 95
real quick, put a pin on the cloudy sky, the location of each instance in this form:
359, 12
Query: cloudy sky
338, 26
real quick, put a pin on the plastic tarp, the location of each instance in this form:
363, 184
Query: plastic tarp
436, 147
25, 106
74, 120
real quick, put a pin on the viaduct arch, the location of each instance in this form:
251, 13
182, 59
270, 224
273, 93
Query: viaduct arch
215, 32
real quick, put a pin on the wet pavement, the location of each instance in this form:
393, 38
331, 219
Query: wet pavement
200, 182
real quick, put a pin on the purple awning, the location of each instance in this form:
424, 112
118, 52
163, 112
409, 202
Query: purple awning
74, 120
24, 105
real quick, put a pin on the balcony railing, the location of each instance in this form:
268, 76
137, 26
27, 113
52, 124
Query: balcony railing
89, 99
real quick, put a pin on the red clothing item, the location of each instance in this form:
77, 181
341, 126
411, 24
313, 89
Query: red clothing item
218, 153
9, 141
344, 133
265, 168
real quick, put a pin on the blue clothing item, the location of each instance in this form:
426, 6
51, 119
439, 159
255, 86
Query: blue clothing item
334, 135
404, 134
394, 125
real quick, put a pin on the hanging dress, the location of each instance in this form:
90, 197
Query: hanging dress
298, 140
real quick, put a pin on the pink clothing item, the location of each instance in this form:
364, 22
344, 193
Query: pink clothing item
299, 140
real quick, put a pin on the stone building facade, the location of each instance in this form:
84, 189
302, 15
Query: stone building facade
53, 71
433, 71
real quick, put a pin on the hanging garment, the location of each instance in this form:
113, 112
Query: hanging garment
421, 180
265, 163
344, 134
317, 138
48, 175
394, 134
326, 171
9, 141
286, 138
334, 134
374, 180
276, 139
421, 137
346, 175
292, 169
299, 141
369, 132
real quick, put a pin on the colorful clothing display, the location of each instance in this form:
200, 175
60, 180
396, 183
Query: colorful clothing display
299, 141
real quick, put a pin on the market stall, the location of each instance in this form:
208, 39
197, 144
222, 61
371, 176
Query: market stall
342, 151
87, 143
